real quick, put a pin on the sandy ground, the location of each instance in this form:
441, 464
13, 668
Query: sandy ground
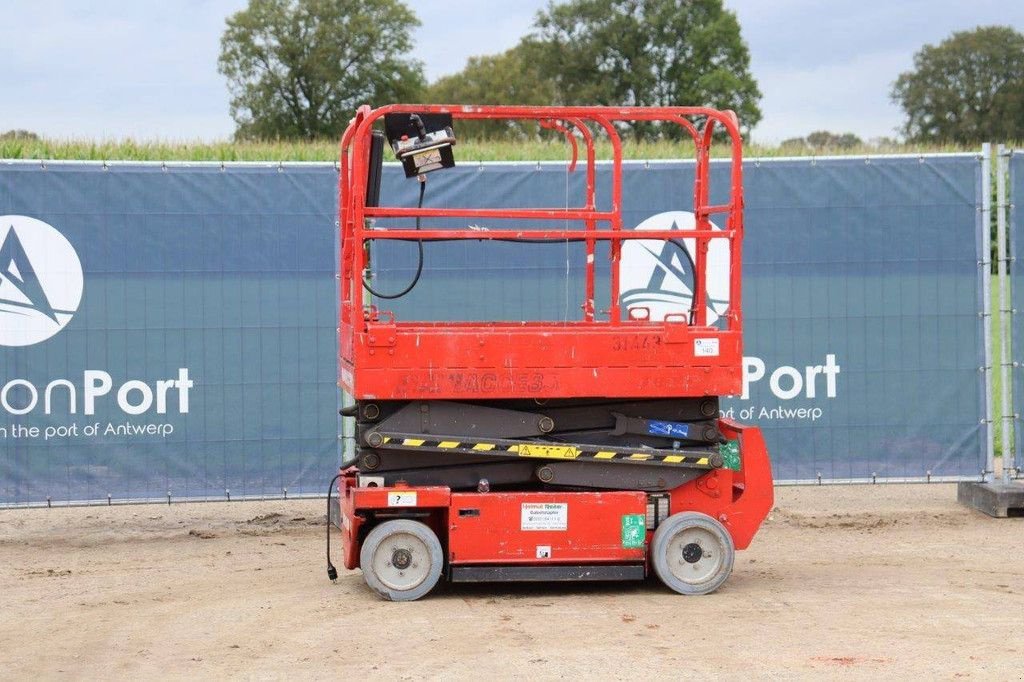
915, 585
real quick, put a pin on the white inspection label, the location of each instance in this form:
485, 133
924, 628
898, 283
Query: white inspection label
545, 516
402, 499
707, 348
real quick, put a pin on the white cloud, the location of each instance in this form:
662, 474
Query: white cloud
849, 97
148, 69
114, 69
454, 30
831, 65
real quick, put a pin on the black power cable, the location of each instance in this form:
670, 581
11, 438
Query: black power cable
419, 265
332, 572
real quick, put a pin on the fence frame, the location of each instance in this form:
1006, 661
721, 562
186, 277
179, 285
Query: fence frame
1005, 310
1013, 466
1006, 212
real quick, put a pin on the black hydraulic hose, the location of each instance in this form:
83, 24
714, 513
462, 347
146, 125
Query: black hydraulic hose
693, 284
419, 265
332, 572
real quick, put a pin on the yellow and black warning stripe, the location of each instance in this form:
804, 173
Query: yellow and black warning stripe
544, 450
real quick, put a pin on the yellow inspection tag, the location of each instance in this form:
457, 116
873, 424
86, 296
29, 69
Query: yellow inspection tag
549, 451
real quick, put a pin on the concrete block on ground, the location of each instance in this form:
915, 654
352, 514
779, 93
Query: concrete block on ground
995, 499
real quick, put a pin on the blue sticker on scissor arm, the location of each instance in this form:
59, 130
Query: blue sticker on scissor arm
668, 429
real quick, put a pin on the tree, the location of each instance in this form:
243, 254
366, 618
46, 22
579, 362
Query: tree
19, 135
967, 89
822, 141
299, 68
647, 53
794, 144
512, 77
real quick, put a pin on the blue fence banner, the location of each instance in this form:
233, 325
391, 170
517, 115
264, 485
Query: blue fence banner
170, 329
181, 331
861, 295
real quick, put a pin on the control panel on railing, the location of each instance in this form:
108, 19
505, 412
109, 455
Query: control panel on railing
422, 142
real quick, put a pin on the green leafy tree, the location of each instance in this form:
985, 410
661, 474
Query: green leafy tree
795, 144
823, 139
19, 134
299, 68
512, 77
967, 89
647, 53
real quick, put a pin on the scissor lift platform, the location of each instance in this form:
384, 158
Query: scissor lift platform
586, 449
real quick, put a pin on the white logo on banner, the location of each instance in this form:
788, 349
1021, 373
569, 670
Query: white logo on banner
40, 281
658, 275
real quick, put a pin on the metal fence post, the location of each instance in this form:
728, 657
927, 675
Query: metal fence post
1010, 211
985, 265
1005, 312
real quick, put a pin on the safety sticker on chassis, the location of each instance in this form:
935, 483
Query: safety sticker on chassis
730, 451
634, 530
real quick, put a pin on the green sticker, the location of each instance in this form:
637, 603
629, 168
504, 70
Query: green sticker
634, 530
730, 452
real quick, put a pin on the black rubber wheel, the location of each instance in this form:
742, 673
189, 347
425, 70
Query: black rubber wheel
401, 560
692, 553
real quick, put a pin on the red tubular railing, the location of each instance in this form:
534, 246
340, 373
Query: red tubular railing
353, 212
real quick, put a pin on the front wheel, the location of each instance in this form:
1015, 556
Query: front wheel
401, 560
692, 553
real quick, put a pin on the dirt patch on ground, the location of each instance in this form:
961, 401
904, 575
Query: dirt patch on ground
858, 582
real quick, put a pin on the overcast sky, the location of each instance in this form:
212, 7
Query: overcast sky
109, 68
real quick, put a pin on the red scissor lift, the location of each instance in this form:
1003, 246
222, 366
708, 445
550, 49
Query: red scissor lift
589, 449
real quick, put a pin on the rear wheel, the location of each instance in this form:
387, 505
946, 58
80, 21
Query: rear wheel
692, 553
401, 560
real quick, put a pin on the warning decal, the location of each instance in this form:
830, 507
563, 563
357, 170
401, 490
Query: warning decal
544, 516
548, 451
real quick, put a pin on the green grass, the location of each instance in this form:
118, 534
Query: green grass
997, 406
327, 150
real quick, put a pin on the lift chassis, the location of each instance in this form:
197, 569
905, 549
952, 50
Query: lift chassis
582, 449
